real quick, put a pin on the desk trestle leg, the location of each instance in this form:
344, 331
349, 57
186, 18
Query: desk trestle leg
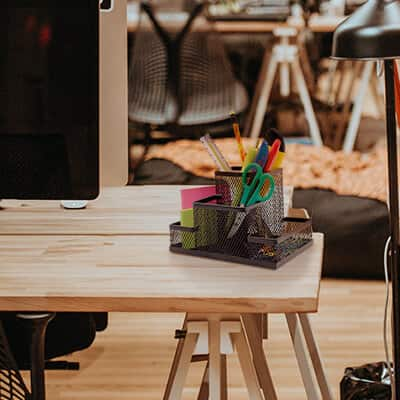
211, 337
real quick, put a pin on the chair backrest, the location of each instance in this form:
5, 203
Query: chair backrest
180, 76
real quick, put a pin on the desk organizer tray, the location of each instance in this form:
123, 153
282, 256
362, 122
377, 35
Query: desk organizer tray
256, 235
252, 243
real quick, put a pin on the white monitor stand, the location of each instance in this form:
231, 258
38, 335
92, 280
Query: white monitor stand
113, 98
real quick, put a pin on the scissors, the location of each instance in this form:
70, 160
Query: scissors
252, 193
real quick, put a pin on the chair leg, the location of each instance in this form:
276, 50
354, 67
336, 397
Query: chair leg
315, 357
305, 99
37, 323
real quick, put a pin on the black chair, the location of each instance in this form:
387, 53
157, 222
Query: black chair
28, 341
181, 80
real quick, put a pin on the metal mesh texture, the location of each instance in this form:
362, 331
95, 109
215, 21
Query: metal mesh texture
12, 386
229, 185
258, 235
296, 234
216, 227
207, 89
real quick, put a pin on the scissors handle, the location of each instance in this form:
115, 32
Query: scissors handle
248, 189
257, 194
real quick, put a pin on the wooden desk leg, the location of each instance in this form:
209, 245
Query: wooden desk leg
247, 365
214, 346
315, 357
251, 324
301, 355
204, 388
182, 367
224, 378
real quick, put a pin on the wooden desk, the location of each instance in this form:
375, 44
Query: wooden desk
118, 211
138, 273
112, 257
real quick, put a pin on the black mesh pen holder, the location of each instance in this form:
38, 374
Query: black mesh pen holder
224, 229
230, 186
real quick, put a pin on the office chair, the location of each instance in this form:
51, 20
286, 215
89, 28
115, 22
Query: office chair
28, 341
181, 81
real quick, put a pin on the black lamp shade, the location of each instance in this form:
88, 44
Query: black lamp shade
372, 32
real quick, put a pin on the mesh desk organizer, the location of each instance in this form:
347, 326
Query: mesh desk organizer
263, 236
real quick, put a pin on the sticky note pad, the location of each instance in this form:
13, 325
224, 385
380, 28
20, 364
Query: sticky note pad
189, 196
187, 220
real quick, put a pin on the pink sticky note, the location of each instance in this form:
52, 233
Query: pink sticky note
189, 196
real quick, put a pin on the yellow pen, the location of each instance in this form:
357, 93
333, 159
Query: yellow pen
236, 131
250, 157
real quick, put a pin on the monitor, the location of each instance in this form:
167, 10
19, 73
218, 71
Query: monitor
49, 99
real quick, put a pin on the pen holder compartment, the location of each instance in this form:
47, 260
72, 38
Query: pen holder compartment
229, 186
224, 229
183, 236
296, 235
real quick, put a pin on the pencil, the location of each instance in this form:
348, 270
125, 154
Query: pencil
236, 131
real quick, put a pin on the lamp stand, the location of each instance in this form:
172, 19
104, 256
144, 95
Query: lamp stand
391, 134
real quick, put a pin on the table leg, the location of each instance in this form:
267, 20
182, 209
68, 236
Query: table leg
214, 346
224, 378
301, 355
247, 366
305, 99
251, 324
354, 124
204, 388
182, 367
315, 357
265, 93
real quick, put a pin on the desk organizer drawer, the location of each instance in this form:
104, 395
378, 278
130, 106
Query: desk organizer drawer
295, 237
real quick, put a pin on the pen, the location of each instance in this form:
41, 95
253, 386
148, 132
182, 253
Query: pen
250, 157
236, 131
272, 154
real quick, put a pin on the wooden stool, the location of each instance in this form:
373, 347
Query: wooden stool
219, 335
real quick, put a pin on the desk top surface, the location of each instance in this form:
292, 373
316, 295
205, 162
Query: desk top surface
139, 274
114, 256
117, 211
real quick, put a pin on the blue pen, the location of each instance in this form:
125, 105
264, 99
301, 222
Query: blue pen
262, 155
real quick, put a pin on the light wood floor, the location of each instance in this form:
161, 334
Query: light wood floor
131, 359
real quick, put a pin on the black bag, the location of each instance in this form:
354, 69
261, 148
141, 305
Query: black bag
368, 382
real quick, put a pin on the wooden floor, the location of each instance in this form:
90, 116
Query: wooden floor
131, 359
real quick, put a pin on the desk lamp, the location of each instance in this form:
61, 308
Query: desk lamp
373, 33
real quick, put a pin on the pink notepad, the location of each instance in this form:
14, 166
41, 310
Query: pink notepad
189, 196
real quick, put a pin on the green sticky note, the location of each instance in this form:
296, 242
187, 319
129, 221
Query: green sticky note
187, 220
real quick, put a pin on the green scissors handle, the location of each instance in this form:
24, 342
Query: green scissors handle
252, 192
